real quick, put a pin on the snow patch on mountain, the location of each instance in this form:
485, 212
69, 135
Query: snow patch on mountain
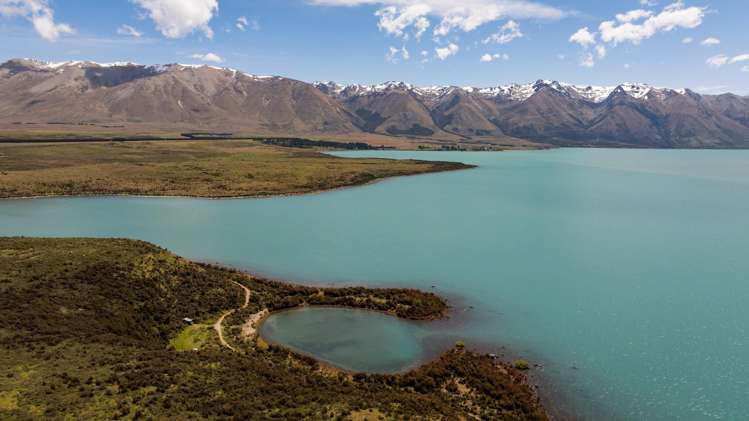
513, 92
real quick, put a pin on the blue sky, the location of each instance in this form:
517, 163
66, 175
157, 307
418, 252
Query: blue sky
477, 43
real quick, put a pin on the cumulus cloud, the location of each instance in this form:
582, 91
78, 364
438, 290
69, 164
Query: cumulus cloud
397, 17
633, 15
507, 33
209, 57
129, 31
711, 41
745, 69
444, 52
488, 58
396, 21
637, 25
584, 37
179, 18
394, 54
39, 13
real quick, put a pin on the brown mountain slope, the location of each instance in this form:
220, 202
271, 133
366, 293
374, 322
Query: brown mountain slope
465, 113
177, 98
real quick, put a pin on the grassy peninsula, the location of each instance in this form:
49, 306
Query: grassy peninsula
215, 169
93, 329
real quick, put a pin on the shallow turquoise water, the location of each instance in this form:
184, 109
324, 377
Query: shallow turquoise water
623, 271
355, 340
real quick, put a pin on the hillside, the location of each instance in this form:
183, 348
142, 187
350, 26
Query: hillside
77, 97
92, 329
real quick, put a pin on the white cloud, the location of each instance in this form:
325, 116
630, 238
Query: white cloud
210, 57
649, 3
41, 16
718, 61
586, 60
711, 41
635, 26
745, 69
179, 18
422, 24
584, 37
633, 15
243, 24
488, 58
445, 52
395, 21
721, 60
395, 54
601, 51
561, 56
673, 16
397, 16
507, 33
128, 30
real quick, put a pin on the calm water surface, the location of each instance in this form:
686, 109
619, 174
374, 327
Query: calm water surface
625, 272
355, 340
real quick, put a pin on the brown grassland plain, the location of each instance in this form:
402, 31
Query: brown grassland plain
215, 169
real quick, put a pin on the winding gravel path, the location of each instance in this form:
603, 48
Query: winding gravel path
218, 326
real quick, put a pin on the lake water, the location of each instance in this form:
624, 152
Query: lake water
625, 272
355, 340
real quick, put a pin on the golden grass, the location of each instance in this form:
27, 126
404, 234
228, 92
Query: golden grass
192, 338
180, 168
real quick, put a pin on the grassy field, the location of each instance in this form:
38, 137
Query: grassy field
88, 328
180, 168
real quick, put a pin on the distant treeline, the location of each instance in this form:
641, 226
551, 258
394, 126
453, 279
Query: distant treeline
293, 142
207, 135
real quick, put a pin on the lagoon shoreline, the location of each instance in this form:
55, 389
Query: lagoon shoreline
142, 267
447, 314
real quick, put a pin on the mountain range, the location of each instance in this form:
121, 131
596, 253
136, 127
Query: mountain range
126, 96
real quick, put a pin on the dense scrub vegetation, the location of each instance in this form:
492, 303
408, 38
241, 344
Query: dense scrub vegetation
406, 303
86, 326
295, 142
217, 168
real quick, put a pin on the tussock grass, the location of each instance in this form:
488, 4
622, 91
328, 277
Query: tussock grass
202, 169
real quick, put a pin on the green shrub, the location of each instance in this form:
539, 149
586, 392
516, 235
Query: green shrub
522, 364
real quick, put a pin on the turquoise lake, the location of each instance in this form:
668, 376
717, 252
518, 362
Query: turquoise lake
624, 272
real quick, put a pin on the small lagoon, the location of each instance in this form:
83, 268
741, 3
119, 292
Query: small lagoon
624, 272
351, 339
